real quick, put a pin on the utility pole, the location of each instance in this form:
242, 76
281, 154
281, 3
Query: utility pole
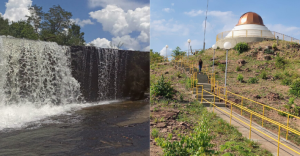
205, 26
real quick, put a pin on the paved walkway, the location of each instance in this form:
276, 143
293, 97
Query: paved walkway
265, 141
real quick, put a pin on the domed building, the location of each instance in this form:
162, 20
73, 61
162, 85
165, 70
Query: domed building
250, 28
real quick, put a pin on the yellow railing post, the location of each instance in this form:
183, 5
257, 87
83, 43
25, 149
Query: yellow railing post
250, 126
230, 113
202, 95
262, 120
278, 140
287, 131
242, 107
214, 103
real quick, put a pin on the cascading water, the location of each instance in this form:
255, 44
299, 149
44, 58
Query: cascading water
36, 72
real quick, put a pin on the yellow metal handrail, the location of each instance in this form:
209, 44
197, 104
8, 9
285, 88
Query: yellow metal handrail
216, 93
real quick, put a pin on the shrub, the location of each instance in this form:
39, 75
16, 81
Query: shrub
162, 88
263, 75
288, 46
280, 62
240, 77
295, 88
218, 47
278, 76
238, 68
197, 143
222, 67
252, 80
286, 81
274, 46
269, 51
154, 133
241, 47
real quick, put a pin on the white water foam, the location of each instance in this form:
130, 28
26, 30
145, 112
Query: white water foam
19, 116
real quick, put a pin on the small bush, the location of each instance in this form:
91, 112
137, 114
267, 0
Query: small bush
241, 47
286, 81
162, 88
288, 46
263, 75
295, 88
280, 62
222, 67
252, 80
278, 76
154, 133
274, 46
240, 77
218, 47
269, 51
238, 68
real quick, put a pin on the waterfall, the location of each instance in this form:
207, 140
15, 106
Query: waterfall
36, 72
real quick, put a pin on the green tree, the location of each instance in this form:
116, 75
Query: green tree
71, 37
4, 26
22, 29
55, 22
35, 18
155, 57
177, 52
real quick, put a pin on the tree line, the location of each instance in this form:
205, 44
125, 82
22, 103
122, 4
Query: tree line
55, 26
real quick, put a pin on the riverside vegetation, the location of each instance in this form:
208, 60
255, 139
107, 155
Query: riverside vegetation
180, 125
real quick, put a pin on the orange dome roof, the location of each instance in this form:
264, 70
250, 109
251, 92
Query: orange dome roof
250, 18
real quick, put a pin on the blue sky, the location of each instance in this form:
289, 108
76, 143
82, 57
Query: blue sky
102, 21
174, 22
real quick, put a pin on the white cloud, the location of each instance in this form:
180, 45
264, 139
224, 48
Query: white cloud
17, 9
82, 23
167, 10
172, 4
163, 52
128, 42
146, 48
124, 4
120, 23
194, 13
168, 27
143, 37
287, 30
100, 42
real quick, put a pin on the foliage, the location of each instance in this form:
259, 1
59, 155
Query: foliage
155, 57
222, 67
286, 81
278, 76
197, 143
241, 47
236, 146
238, 68
263, 75
72, 37
154, 133
288, 46
218, 47
269, 51
177, 52
240, 77
35, 17
274, 46
259, 48
22, 29
252, 80
280, 62
162, 88
295, 87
